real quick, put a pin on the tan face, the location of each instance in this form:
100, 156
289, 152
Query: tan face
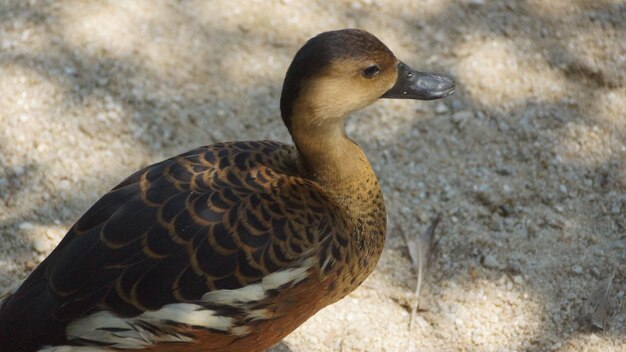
347, 85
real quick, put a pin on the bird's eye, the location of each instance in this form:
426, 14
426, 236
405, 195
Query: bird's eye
371, 71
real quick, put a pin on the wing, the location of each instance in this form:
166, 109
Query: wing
223, 217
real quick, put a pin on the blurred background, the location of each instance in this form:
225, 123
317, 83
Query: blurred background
526, 162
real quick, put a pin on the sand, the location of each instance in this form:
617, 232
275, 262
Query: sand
526, 162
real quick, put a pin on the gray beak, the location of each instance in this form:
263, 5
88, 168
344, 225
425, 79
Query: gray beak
412, 84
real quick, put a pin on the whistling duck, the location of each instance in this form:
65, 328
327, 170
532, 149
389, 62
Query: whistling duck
228, 247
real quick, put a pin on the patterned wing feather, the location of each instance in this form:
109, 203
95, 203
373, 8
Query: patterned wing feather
220, 217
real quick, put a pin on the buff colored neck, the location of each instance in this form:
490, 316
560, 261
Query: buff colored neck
329, 157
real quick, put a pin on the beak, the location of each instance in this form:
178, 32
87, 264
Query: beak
412, 84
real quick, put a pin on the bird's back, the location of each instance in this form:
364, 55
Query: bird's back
198, 246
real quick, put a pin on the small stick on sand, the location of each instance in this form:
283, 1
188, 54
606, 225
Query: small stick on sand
419, 250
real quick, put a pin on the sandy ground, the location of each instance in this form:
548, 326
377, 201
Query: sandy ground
526, 162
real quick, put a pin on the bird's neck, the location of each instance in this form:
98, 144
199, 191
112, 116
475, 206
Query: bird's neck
330, 158
334, 161
341, 168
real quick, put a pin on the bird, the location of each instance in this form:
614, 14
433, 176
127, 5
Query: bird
230, 246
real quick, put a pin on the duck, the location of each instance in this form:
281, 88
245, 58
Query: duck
231, 246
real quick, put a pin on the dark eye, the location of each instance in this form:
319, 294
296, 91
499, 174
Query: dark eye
371, 71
